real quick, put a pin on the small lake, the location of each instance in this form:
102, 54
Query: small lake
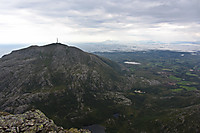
96, 128
132, 63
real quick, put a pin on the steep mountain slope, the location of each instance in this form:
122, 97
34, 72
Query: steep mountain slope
184, 120
64, 82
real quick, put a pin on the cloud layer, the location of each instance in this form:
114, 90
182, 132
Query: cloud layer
35, 21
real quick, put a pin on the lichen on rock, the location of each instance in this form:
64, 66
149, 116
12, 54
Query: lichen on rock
32, 121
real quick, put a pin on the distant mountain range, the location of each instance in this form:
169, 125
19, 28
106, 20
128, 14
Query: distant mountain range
114, 46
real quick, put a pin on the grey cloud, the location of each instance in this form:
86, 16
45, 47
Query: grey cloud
179, 11
115, 13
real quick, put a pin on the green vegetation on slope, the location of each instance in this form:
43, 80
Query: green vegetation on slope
189, 88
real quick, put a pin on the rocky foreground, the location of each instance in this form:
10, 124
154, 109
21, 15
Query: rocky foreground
33, 121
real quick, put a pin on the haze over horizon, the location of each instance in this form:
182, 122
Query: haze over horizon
72, 21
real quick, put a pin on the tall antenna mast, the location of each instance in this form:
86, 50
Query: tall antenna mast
57, 40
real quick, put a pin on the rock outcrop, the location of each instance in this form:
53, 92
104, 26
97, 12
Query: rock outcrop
33, 121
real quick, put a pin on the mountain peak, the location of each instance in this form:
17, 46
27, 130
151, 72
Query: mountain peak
35, 50
55, 44
47, 46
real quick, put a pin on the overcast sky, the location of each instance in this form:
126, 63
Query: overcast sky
42, 21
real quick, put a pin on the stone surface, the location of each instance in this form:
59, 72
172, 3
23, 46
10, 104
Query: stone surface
33, 121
